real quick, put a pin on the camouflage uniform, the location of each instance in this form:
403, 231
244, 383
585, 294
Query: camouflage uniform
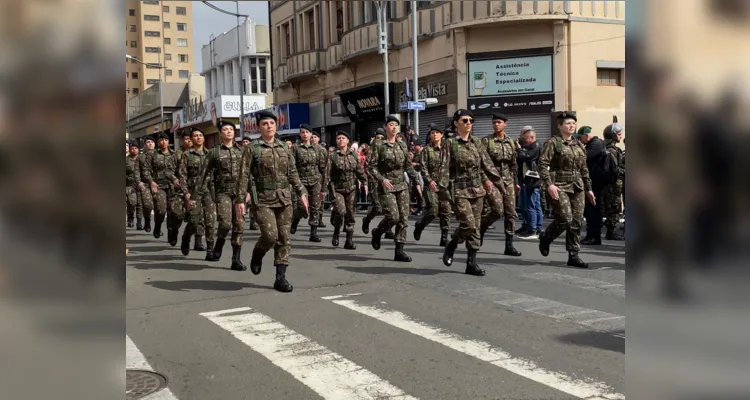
273, 168
324, 156
144, 196
567, 159
201, 219
161, 168
311, 165
502, 152
390, 161
223, 166
429, 161
372, 186
132, 179
342, 171
612, 194
466, 165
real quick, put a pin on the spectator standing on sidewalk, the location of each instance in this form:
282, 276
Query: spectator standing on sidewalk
527, 153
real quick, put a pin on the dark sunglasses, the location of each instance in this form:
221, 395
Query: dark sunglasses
467, 120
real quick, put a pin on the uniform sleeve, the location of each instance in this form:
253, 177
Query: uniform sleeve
443, 178
182, 174
148, 174
171, 168
326, 174
514, 163
322, 162
246, 174
359, 170
489, 171
137, 170
207, 168
585, 173
423, 160
372, 163
294, 176
545, 159
408, 167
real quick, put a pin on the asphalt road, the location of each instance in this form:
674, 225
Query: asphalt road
360, 326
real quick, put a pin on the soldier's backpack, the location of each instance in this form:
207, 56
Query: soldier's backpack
609, 172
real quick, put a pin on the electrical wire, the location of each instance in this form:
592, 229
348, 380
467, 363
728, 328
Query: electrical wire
224, 11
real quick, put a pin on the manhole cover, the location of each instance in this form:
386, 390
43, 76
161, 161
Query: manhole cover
139, 384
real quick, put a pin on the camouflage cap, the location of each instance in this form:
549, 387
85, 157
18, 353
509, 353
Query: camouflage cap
585, 130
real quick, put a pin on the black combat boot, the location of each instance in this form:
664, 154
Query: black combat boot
575, 261
219, 248
509, 249
185, 245
400, 255
293, 229
544, 243
256, 262
320, 221
450, 249
139, 223
253, 225
482, 230
172, 236
366, 225
443, 238
349, 244
611, 235
336, 233
314, 234
471, 265
331, 220
237, 264
210, 252
199, 244
147, 225
389, 235
418, 228
130, 221
157, 228
592, 241
376, 235
281, 284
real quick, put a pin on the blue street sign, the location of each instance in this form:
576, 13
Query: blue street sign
417, 105
403, 106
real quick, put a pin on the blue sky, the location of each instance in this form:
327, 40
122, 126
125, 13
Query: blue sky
207, 21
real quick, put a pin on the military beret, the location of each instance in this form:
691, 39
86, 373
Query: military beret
149, 137
342, 133
585, 130
462, 113
162, 135
391, 118
567, 115
187, 132
306, 127
264, 114
247, 137
434, 127
133, 143
379, 131
316, 133
190, 131
223, 123
499, 116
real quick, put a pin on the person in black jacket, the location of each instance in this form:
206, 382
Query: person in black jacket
595, 150
527, 153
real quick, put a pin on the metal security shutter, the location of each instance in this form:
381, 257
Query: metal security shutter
436, 115
540, 122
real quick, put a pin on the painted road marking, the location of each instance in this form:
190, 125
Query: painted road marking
330, 375
135, 360
486, 352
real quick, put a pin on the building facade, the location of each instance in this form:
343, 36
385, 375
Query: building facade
526, 59
221, 66
158, 33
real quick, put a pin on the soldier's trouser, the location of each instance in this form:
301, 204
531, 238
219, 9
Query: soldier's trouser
568, 214
147, 201
436, 207
201, 220
274, 223
612, 204
160, 205
593, 215
138, 204
315, 204
375, 207
469, 215
228, 219
176, 210
345, 207
131, 201
396, 212
501, 205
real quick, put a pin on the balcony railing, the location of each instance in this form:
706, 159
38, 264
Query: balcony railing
280, 75
307, 63
471, 12
359, 41
334, 56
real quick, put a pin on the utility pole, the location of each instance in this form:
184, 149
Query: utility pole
415, 61
161, 95
241, 72
383, 49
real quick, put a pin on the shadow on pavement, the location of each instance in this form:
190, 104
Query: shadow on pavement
130, 242
152, 249
398, 270
340, 256
183, 286
176, 267
599, 340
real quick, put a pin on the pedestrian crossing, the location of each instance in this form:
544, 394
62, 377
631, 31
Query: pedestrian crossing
319, 366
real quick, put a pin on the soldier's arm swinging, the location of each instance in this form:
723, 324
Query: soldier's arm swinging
294, 180
372, 165
489, 170
245, 180
545, 159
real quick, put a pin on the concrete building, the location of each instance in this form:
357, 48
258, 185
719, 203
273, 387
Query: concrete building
526, 59
220, 64
158, 33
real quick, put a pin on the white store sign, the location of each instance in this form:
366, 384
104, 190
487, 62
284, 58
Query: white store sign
212, 110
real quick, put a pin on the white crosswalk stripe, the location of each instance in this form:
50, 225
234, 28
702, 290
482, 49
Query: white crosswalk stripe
330, 375
136, 360
583, 389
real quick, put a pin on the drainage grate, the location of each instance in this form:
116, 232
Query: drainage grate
139, 383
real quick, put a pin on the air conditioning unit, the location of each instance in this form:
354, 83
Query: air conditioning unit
337, 108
